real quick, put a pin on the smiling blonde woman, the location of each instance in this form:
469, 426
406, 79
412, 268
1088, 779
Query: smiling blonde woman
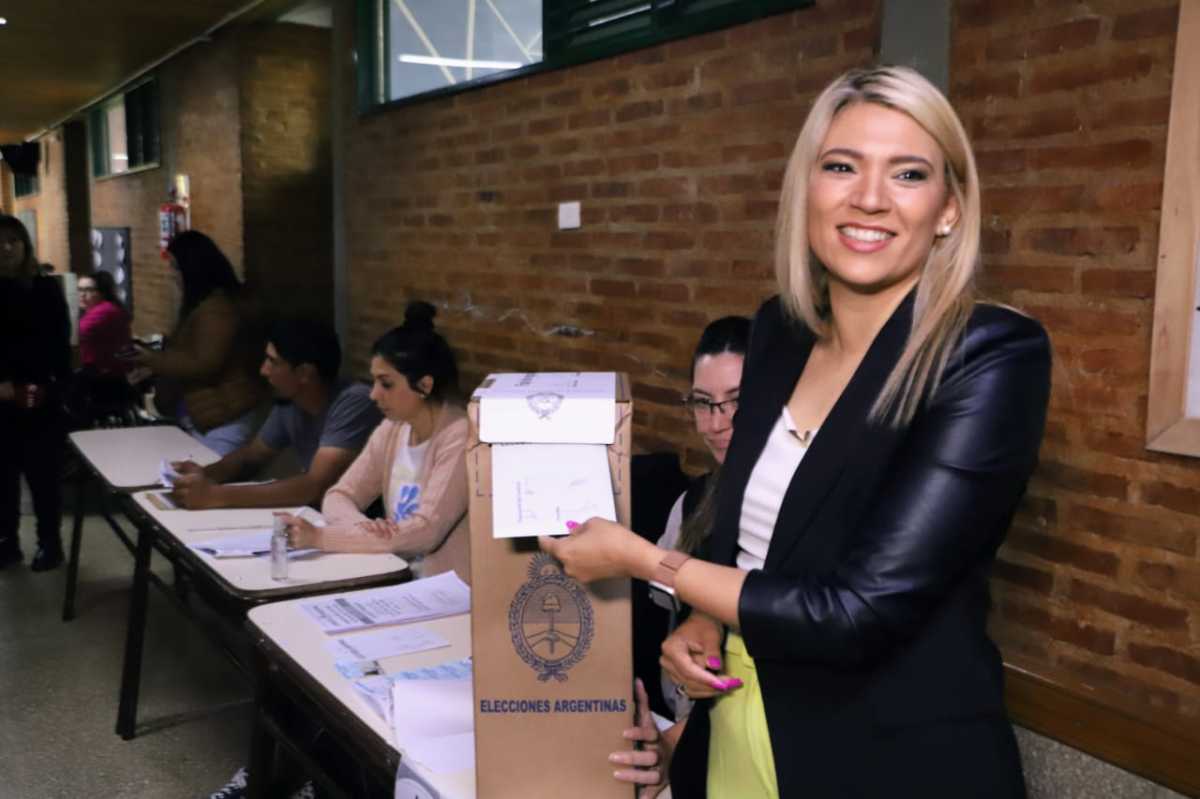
887, 426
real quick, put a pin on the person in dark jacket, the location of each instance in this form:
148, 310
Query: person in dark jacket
34, 372
887, 425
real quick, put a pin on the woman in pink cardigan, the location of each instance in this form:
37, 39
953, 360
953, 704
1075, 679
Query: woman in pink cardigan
414, 460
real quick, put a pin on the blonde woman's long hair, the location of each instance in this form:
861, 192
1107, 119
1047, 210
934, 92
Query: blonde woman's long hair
945, 292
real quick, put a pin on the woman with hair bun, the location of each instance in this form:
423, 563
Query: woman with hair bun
414, 460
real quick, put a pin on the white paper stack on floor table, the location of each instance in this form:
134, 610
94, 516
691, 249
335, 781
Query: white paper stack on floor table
553, 660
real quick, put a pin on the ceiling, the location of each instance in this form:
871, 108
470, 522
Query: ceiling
57, 56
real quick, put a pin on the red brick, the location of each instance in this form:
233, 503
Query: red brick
1140, 112
1030, 278
639, 267
680, 186
612, 288
1140, 197
664, 292
1096, 242
1172, 661
671, 78
1146, 24
1184, 499
1084, 481
1026, 124
1130, 606
1071, 35
643, 162
669, 240
1129, 154
1078, 633
1058, 550
988, 83
696, 103
1118, 282
762, 91
1092, 674
1032, 198
643, 109
1181, 578
690, 213
589, 119
1025, 576
634, 213
1088, 72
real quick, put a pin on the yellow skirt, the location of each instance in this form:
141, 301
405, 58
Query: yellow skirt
740, 761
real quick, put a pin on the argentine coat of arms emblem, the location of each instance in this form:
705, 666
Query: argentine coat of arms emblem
550, 620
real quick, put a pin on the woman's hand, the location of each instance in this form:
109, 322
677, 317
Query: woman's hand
302, 534
379, 528
651, 756
599, 548
691, 656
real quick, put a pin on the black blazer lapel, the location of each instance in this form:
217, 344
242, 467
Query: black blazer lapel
838, 437
779, 349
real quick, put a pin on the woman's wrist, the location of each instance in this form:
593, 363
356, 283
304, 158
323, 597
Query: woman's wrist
645, 559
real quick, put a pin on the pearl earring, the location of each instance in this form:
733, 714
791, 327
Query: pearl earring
944, 230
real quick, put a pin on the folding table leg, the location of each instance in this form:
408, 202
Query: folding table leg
131, 671
68, 611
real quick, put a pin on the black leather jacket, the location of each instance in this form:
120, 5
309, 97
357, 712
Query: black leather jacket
867, 622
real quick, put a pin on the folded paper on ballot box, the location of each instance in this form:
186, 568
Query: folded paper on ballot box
553, 664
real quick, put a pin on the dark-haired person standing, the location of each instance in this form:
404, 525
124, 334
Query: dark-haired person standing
211, 358
414, 460
326, 420
35, 354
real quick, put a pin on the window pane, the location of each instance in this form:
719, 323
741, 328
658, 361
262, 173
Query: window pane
434, 44
118, 150
98, 136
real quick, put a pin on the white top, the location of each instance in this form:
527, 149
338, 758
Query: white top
670, 537
404, 487
253, 574
293, 631
129, 458
764, 492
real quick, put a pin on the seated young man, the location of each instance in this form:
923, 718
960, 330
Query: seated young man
326, 420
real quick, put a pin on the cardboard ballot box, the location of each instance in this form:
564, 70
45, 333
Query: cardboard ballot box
552, 657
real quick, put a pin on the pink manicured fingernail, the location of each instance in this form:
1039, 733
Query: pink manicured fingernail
572, 525
733, 682
714, 663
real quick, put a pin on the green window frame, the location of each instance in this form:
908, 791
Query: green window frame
139, 116
573, 32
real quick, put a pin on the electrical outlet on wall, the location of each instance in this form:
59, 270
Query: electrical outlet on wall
568, 216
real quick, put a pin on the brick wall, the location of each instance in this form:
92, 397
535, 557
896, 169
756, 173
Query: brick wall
676, 153
284, 75
6, 189
199, 118
1068, 106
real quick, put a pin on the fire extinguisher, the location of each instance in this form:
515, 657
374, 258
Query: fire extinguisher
172, 220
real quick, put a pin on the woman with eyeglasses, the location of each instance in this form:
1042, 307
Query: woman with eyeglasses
712, 401
888, 423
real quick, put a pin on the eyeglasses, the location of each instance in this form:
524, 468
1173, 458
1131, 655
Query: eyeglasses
702, 406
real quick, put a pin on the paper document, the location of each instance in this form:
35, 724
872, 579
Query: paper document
247, 545
434, 722
419, 600
167, 474
386, 643
538, 488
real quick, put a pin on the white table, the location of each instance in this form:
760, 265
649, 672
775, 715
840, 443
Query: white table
296, 667
122, 459
129, 458
230, 585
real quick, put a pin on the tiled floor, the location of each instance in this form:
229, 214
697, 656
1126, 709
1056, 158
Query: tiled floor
59, 684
